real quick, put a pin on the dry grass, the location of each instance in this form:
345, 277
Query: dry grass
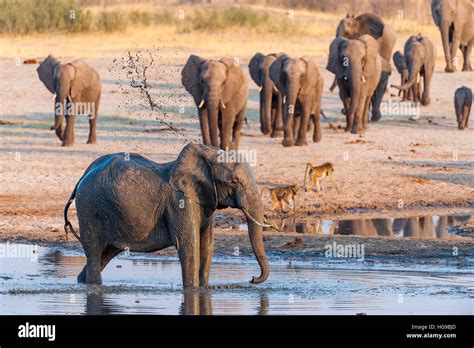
310, 33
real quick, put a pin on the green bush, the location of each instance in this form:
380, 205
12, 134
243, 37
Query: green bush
110, 21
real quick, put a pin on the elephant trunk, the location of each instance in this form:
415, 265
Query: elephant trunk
254, 213
267, 93
290, 104
355, 83
414, 69
61, 103
212, 101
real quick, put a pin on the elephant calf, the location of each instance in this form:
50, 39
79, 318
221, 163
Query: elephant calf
462, 105
402, 68
77, 89
127, 202
220, 90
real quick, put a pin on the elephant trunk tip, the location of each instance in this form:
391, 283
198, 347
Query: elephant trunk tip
260, 279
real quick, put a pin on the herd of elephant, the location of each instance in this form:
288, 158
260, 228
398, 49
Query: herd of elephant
291, 88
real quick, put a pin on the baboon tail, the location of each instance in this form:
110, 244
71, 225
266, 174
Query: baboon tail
263, 189
67, 224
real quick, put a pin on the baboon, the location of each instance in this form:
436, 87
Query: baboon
281, 195
317, 175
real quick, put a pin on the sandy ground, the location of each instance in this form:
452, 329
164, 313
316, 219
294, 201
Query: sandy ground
397, 164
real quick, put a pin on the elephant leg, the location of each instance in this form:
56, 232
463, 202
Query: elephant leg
466, 54
68, 138
237, 129
93, 124
108, 254
206, 251
378, 96
296, 125
204, 123
188, 253
60, 132
365, 115
226, 131
425, 100
288, 139
303, 127
93, 266
278, 123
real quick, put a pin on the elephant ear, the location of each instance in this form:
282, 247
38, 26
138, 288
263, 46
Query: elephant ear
435, 10
254, 68
81, 77
235, 79
312, 75
386, 66
399, 61
193, 174
46, 73
372, 24
276, 70
334, 61
190, 77
371, 54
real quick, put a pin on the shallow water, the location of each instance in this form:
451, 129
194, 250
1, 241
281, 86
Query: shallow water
43, 281
429, 226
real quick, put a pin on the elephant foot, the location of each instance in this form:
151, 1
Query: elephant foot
67, 143
316, 138
277, 134
426, 102
467, 68
450, 69
288, 142
347, 129
91, 141
81, 278
376, 117
301, 143
264, 131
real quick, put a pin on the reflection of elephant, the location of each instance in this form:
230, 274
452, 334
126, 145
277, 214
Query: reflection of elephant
127, 202
402, 68
420, 227
271, 118
196, 302
358, 68
420, 57
462, 105
353, 27
455, 19
301, 86
219, 89
77, 89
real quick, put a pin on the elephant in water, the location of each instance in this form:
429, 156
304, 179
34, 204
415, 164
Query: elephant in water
128, 202
77, 89
462, 106
358, 68
353, 27
455, 19
420, 58
220, 90
271, 115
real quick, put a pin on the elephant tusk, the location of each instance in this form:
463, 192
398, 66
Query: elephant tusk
284, 99
260, 88
275, 89
363, 79
201, 104
69, 98
222, 104
53, 97
251, 218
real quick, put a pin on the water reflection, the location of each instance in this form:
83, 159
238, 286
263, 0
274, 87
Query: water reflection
414, 226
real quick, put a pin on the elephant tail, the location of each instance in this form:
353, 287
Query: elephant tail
67, 224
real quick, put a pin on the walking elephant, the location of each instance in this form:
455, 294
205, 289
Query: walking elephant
455, 19
358, 68
353, 27
128, 202
76, 88
220, 90
271, 118
301, 85
420, 58
402, 68
462, 106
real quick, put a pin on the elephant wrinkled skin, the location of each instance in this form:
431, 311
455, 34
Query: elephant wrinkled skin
127, 202
462, 106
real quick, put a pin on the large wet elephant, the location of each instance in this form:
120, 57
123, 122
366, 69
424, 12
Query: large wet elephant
301, 85
462, 106
353, 27
220, 90
77, 89
128, 202
455, 19
420, 58
358, 68
271, 116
